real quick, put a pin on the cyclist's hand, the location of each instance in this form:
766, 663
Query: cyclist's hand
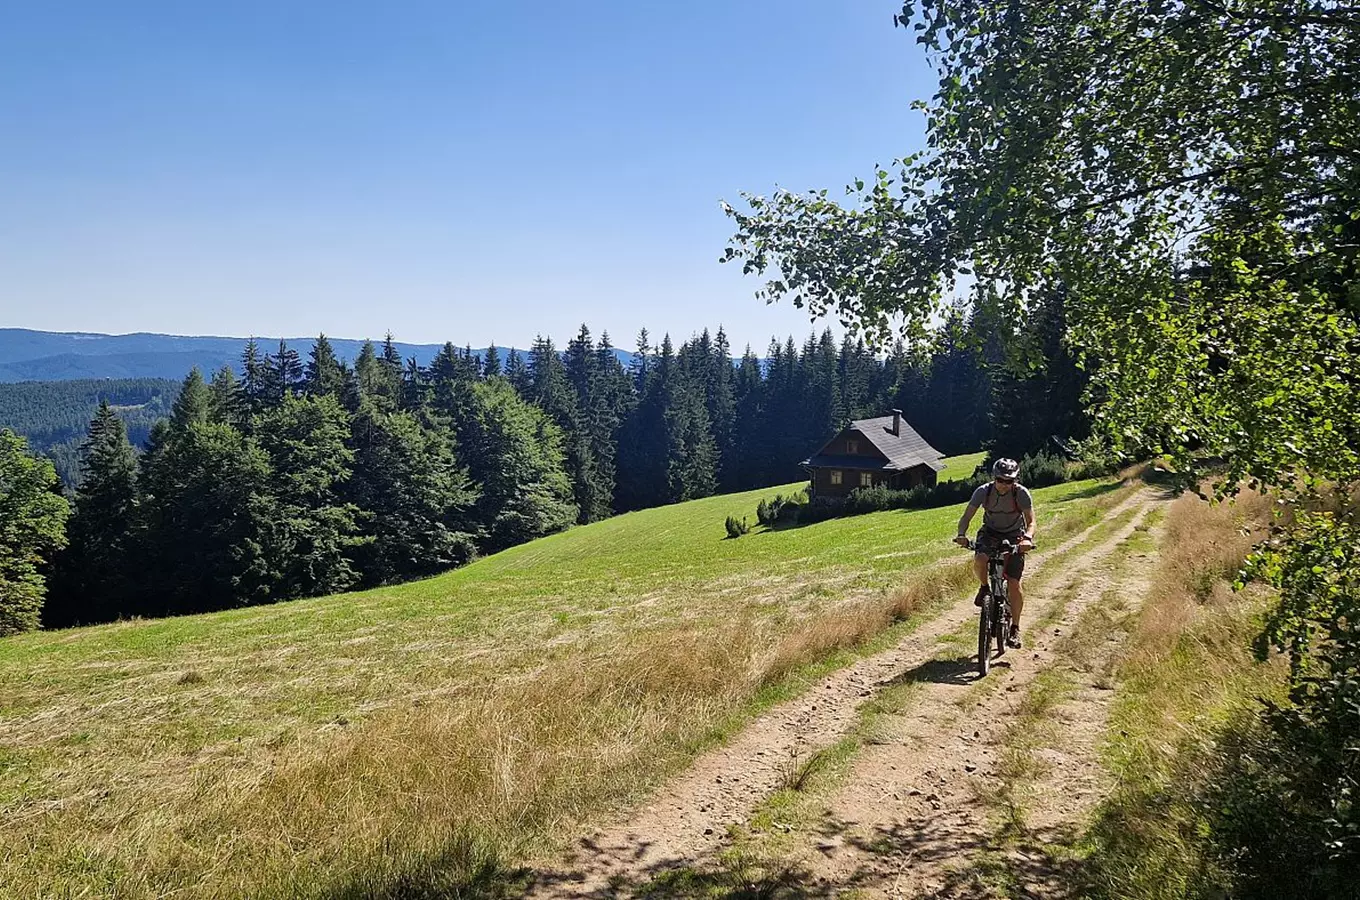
961, 541
1025, 545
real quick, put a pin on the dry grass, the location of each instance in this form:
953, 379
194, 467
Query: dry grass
507, 760
853, 624
1203, 548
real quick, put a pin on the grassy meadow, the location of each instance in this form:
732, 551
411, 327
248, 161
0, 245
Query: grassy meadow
373, 743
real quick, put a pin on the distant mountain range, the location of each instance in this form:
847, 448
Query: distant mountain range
27, 355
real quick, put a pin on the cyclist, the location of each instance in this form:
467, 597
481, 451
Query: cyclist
1007, 514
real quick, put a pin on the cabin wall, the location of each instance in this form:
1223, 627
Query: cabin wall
822, 486
850, 480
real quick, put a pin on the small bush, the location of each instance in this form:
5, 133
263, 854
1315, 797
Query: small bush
736, 527
763, 513
781, 510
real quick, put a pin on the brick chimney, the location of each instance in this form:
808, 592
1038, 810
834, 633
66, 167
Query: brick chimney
897, 423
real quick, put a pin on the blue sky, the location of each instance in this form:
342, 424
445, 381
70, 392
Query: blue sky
470, 171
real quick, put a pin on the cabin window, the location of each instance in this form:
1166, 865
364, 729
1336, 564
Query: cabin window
835, 476
852, 447
866, 479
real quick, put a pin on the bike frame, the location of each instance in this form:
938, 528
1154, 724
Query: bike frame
994, 618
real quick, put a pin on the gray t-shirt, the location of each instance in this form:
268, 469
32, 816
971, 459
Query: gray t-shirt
1003, 513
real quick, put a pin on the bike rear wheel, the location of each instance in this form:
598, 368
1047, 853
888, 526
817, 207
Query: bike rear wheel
985, 637
1000, 614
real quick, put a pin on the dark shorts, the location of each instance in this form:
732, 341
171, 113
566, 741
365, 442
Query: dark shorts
1015, 566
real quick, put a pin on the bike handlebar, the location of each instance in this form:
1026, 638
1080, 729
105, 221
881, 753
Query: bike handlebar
1000, 548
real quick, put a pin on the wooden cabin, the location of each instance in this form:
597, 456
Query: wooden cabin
870, 452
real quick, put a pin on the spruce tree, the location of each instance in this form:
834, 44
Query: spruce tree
451, 389
514, 452
192, 405
1037, 396
691, 455
491, 366
517, 373
721, 404
554, 393
310, 530
640, 365
204, 516
224, 398
391, 363
97, 572
290, 372
824, 413
642, 457
416, 500
254, 378
745, 469
322, 375
616, 401
597, 422
378, 379
415, 386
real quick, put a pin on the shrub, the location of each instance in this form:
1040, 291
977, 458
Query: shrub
1094, 460
1042, 470
781, 510
1289, 800
819, 509
736, 527
763, 513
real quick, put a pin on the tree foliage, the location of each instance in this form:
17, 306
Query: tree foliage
1184, 172
32, 521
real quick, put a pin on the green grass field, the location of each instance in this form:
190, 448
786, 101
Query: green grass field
960, 467
155, 756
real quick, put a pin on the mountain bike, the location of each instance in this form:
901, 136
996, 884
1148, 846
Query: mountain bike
994, 617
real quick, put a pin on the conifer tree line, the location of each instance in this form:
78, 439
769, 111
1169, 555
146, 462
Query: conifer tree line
289, 478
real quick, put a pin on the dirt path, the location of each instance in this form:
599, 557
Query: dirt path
928, 816
914, 794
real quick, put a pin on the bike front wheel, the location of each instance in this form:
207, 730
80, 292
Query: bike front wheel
985, 638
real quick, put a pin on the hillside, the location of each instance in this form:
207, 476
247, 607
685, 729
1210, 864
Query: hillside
342, 742
27, 355
55, 415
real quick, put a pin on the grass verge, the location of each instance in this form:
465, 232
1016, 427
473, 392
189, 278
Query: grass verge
1187, 672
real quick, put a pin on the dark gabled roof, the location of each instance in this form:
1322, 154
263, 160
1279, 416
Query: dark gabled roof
904, 450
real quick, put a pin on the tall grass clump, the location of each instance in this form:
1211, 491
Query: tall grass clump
1189, 685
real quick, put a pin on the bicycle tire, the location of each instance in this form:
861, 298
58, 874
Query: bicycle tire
1003, 619
985, 638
